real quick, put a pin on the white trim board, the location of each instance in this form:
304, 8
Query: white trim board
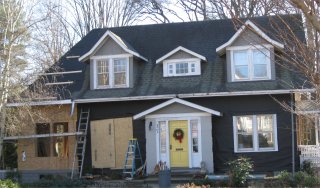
40, 103
182, 49
176, 100
192, 95
43, 135
117, 39
221, 49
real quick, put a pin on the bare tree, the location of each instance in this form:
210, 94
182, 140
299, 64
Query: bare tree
197, 10
88, 15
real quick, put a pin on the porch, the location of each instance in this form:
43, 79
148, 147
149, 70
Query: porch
308, 139
310, 153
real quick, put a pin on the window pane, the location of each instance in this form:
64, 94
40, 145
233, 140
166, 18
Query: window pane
195, 136
265, 131
244, 131
265, 123
193, 67
244, 124
103, 72
119, 65
120, 71
60, 143
43, 144
162, 136
259, 56
245, 141
103, 79
240, 57
260, 71
241, 72
266, 140
170, 68
120, 78
181, 68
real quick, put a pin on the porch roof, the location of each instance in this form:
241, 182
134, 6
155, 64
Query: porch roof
179, 101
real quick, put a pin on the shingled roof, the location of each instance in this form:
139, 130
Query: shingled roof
154, 41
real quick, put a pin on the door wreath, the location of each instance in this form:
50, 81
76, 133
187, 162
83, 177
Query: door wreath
178, 134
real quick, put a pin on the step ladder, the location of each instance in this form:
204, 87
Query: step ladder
133, 154
80, 146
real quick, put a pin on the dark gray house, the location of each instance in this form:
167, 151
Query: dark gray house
189, 92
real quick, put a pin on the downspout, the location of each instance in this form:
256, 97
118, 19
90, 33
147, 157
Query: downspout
292, 135
72, 108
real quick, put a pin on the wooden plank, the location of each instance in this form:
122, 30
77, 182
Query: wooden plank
102, 144
123, 132
43, 135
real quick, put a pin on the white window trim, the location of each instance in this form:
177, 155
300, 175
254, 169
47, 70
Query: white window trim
255, 135
196, 61
250, 48
111, 72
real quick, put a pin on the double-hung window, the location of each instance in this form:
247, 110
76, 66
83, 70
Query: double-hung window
181, 67
111, 72
255, 133
250, 63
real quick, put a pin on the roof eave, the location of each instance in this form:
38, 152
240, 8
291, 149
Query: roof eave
117, 39
222, 49
182, 49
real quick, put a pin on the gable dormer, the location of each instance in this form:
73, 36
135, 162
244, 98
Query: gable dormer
249, 54
111, 62
181, 62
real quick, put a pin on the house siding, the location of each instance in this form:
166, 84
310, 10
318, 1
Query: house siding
222, 127
180, 55
109, 47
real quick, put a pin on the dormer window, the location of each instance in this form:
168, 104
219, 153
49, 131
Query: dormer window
111, 72
181, 67
250, 63
181, 62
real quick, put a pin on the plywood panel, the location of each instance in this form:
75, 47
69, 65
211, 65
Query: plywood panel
123, 132
102, 144
51, 114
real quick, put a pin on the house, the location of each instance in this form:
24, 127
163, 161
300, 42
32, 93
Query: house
189, 92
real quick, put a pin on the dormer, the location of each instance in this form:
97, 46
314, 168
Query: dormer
111, 62
250, 54
181, 62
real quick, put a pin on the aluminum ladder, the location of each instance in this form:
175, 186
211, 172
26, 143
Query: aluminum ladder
80, 146
133, 154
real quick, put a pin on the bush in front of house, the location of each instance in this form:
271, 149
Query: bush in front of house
299, 179
239, 170
7, 183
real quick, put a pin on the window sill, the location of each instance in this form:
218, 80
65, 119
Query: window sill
259, 151
115, 87
253, 80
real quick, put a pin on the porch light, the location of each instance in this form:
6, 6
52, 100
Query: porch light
150, 126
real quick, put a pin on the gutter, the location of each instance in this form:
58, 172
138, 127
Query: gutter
192, 95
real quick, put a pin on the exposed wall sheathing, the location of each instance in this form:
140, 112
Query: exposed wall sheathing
48, 114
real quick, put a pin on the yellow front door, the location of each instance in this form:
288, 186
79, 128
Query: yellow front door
179, 155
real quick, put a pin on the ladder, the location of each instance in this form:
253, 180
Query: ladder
133, 154
80, 146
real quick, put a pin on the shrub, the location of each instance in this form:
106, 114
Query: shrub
300, 179
8, 184
308, 168
285, 178
239, 170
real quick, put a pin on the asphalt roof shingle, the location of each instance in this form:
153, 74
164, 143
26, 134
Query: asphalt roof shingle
154, 41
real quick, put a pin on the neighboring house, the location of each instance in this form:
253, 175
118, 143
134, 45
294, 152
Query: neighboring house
216, 84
